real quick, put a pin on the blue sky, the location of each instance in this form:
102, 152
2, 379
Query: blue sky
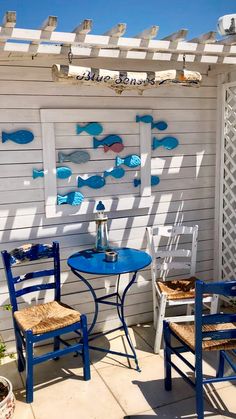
198, 16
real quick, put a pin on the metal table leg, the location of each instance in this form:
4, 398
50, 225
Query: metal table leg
119, 304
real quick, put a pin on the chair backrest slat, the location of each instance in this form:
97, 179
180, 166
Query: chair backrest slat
213, 326
219, 334
219, 318
31, 275
29, 253
34, 288
164, 258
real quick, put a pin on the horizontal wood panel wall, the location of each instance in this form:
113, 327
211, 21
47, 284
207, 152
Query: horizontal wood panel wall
185, 194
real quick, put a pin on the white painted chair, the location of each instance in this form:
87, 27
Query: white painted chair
178, 291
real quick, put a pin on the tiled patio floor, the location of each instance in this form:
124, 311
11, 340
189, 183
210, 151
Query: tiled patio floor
116, 391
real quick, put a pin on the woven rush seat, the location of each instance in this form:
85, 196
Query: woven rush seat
178, 289
186, 332
43, 318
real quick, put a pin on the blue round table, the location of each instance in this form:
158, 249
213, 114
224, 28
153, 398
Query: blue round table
91, 262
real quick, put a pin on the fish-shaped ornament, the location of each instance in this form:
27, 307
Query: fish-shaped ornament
72, 198
62, 172
108, 141
37, 173
117, 172
19, 137
147, 119
94, 182
77, 157
116, 147
154, 181
131, 161
92, 128
167, 142
161, 125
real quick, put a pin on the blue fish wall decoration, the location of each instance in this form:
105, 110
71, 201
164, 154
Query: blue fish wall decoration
131, 161
117, 172
72, 198
62, 172
92, 128
167, 142
77, 157
108, 140
147, 119
19, 137
161, 125
37, 173
154, 181
94, 182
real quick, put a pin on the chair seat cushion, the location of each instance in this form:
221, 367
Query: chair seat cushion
43, 318
187, 333
178, 289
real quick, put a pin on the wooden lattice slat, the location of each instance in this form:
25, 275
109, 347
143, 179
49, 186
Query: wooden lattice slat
228, 234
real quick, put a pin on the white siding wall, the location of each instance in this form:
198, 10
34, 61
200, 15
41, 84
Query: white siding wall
184, 195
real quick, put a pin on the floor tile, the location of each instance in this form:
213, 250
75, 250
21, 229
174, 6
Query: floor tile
22, 410
74, 398
186, 409
117, 341
9, 370
223, 400
138, 392
147, 332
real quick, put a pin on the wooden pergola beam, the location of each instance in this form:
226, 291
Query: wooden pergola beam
84, 27
49, 24
177, 36
9, 20
117, 30
228, 40
149, 33
206, 38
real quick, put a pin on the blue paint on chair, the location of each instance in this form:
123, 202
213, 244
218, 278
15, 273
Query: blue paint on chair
27, 337
210, 332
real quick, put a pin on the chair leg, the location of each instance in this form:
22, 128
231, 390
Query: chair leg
56, 346
29, 367
154, 307
19, 348
85, 353
199, 387
159, 328
220, 370
167, 356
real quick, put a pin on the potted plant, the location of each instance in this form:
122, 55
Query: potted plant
7, 399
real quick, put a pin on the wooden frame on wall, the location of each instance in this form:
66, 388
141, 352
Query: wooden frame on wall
49, 117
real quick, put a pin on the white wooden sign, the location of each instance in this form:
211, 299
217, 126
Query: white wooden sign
59, 134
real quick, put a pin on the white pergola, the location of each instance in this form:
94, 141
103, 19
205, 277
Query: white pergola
206, 49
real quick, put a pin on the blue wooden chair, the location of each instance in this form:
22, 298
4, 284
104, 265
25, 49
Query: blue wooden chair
43, 321
209, 332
